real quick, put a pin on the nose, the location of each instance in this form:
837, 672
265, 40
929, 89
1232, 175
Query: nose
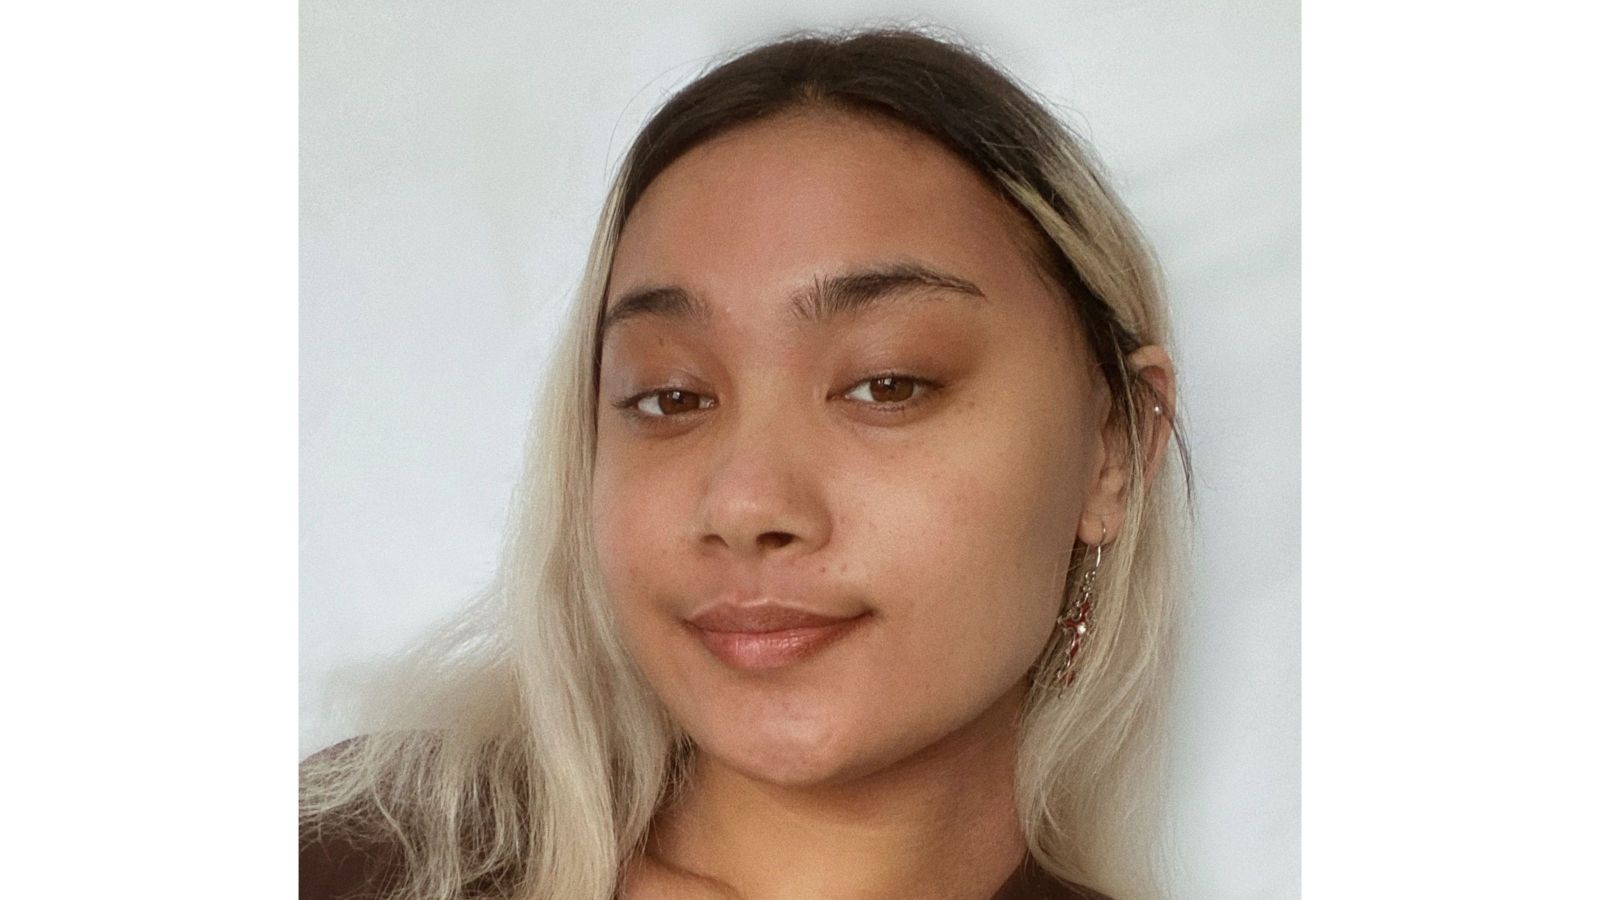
764, 491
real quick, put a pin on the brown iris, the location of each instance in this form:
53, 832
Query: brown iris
891, 390
678, 402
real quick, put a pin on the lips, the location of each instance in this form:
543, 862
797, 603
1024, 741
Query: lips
768, 635
760, 619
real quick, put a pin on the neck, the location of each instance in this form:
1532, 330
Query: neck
941, 823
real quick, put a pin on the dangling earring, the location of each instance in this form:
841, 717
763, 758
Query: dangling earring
1075, 622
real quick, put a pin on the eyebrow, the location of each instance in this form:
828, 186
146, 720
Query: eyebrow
828, 298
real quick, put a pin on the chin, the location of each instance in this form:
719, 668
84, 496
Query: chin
802, 752
791, 765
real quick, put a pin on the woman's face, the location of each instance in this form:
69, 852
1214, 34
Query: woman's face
847, 435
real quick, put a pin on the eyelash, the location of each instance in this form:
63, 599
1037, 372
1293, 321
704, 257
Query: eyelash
922, 388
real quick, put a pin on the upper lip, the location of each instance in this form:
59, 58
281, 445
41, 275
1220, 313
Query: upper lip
758, 618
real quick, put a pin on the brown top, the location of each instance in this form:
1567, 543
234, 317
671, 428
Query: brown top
333, 868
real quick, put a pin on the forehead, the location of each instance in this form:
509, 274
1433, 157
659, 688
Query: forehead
768, 207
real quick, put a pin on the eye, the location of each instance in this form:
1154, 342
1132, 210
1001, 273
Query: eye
891, 390
663, 403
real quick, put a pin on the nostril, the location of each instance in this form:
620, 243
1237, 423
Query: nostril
775, 539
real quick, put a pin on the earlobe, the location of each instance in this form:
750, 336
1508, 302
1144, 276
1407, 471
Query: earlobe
1106, 505
1102, 515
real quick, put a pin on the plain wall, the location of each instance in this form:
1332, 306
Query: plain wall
453, 161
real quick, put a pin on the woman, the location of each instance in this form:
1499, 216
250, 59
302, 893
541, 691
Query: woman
841, 569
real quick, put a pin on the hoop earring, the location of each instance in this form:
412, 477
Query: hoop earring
1076, 621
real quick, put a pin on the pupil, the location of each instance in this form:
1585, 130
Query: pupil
679, 401
891, 390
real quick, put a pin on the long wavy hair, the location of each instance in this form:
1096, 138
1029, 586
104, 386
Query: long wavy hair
521, 753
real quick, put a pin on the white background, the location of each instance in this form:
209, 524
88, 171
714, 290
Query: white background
453, 160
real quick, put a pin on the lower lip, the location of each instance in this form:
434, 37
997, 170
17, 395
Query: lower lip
751, 650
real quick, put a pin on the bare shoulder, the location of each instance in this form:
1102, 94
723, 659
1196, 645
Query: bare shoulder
647, 879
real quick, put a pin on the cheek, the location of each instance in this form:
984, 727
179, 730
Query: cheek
974, 542
628, 519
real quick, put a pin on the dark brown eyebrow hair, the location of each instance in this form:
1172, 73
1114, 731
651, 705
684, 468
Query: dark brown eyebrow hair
828, 298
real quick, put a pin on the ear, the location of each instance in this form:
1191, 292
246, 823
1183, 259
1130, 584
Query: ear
1107, 504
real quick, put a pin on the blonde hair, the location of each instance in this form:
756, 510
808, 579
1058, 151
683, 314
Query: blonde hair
522, 754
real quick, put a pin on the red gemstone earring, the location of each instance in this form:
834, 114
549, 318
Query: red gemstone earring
1075, 622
